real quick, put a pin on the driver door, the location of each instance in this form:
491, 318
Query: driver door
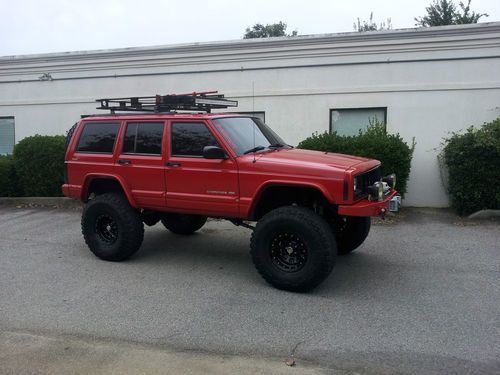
195, 184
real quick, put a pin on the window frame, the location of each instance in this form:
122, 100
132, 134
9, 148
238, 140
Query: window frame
13, 118
330, 123
142, 153
119, 123
171, 138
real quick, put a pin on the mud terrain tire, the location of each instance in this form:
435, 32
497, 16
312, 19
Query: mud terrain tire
293, 248
112, 229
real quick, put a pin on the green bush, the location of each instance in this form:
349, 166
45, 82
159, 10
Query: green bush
39, 164
473, 162
394, 153
9, 186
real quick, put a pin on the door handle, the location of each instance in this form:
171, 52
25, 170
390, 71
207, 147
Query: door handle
173, 164
124, 162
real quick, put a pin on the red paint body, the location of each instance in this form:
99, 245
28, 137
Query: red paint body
227, 188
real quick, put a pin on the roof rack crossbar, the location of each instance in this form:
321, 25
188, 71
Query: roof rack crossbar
195, 101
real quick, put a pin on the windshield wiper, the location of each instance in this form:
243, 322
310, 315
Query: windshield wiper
279, 145
255, 149
276, 145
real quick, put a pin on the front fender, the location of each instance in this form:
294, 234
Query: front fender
284, 183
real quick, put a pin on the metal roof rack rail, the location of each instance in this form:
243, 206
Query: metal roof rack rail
195, 101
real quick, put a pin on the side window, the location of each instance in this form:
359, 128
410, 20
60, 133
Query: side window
98, 137
188, 139
143, 138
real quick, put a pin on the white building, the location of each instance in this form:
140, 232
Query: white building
425, 83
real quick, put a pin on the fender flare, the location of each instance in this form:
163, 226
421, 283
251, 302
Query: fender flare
282, 183
92, 176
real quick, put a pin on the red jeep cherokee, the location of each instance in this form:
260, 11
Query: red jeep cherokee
180, 168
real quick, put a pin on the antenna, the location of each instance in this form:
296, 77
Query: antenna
253, 110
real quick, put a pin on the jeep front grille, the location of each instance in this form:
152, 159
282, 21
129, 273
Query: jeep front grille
364, 180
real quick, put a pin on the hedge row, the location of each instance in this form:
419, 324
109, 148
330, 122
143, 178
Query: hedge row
394, 153
9, 185
36, 168
473, 162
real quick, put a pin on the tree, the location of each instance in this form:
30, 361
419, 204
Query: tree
372, 26
445, 12
266, 31
466, 17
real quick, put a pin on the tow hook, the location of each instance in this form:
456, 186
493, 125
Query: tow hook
382, 213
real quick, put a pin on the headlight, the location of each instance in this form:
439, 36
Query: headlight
391, 180
376, 191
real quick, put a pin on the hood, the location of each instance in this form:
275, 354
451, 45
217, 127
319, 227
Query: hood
310, 158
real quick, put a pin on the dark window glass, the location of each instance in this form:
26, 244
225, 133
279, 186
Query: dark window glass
143, 138
246, 133
188, 139
98, 137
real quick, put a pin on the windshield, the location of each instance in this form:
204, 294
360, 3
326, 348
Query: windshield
247, 134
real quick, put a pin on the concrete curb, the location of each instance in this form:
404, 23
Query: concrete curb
485, 215
41, 202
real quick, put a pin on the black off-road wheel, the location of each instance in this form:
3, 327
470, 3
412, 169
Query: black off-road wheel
293, 248
112, 229
183, 224
351, 232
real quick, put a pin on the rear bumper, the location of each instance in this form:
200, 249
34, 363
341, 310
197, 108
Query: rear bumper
366, 207
71, 191
65, 190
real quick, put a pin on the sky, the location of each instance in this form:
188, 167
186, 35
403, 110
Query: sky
43, 26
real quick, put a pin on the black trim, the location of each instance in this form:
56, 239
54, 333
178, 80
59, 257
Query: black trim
367, 179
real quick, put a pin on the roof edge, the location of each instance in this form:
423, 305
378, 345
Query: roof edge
436, 31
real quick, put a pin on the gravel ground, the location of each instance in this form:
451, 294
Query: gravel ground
420, 296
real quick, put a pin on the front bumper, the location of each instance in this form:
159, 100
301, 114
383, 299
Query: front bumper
367, 208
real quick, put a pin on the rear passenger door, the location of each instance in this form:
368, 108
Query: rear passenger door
141, 162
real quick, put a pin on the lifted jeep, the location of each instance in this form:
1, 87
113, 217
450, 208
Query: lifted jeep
180, 168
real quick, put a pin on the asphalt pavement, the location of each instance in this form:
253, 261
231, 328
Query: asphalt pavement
422, 294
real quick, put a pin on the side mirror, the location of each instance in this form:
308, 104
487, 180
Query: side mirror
214, 152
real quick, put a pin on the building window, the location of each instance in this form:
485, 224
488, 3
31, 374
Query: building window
143, 138
7, 135
98, 137
349, 121
259, 114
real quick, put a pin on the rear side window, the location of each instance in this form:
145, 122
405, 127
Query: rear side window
98, 137
143, 138
189, 138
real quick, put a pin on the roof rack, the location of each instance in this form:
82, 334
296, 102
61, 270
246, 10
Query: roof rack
195, 101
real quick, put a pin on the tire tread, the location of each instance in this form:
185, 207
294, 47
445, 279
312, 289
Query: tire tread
326, 252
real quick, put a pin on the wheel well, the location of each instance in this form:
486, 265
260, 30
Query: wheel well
277, 196
100, 186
